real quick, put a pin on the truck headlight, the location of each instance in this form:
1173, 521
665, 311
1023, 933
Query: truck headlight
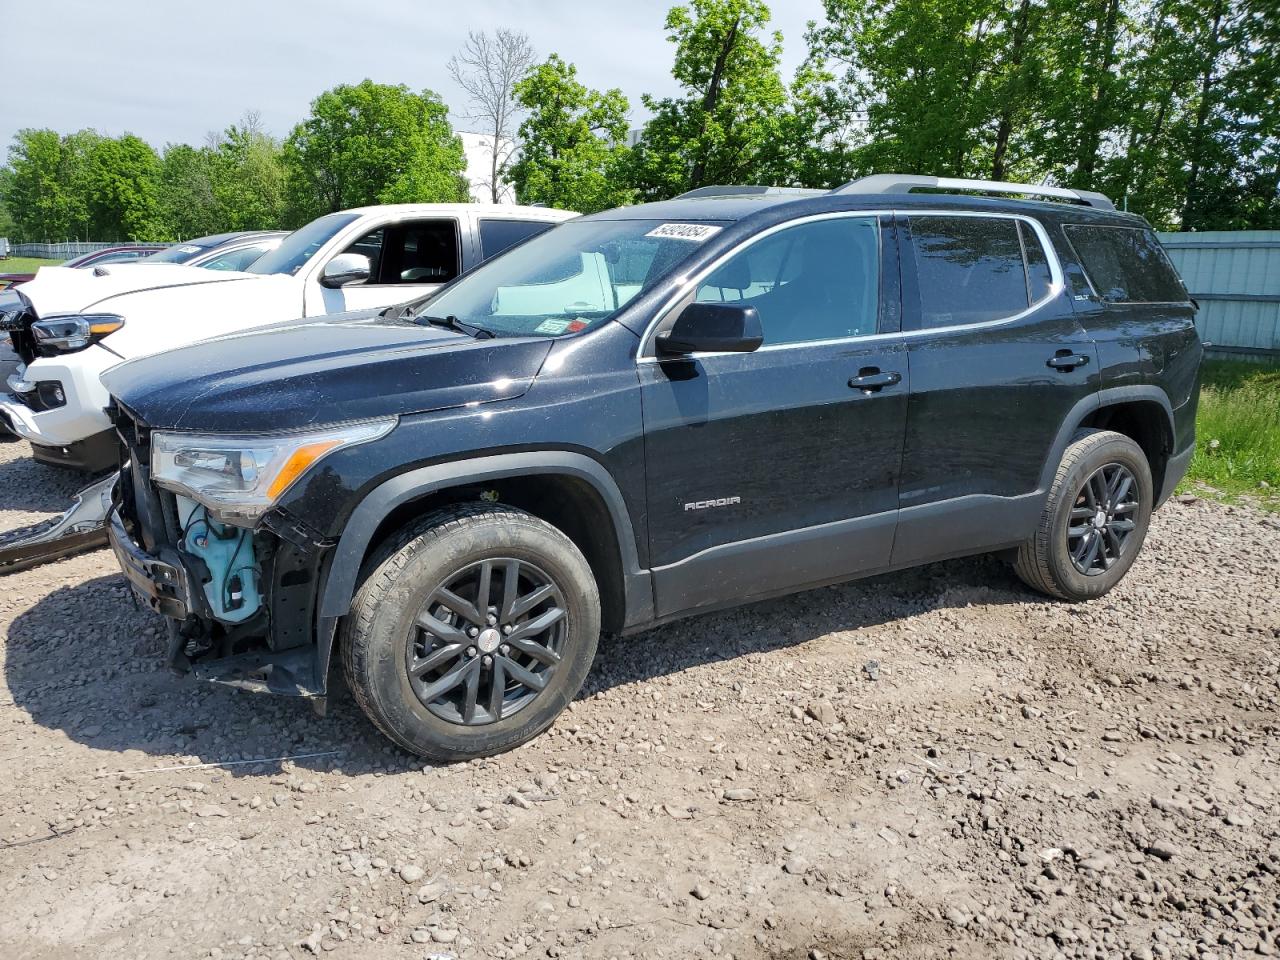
67, 334
239, 477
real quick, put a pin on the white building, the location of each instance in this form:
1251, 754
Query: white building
479, 152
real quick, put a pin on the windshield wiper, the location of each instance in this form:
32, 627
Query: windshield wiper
453, 323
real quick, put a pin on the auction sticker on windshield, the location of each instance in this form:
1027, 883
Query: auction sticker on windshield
552, 326
697, 232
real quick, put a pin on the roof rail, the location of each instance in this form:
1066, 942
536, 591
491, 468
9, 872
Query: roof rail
746, 190
905, 183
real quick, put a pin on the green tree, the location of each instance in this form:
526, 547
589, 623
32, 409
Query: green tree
937, 86
373, 143
235, 182
728, 125
188, 203
121, 189
36, 194
572, 152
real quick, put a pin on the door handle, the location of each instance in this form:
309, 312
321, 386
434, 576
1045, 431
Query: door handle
871, 380
1066, 360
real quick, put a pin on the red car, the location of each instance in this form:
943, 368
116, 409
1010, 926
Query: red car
92, 259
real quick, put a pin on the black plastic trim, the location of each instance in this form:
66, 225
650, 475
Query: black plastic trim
344, 568
782, 562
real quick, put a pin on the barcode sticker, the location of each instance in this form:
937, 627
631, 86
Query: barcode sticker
695, 232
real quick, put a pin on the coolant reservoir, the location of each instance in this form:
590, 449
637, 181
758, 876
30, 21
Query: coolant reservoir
227, 551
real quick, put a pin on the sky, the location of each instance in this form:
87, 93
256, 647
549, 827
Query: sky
173, 72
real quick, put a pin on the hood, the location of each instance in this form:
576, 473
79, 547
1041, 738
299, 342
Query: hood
60, 290
344, 367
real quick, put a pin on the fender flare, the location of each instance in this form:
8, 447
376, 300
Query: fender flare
1106, 397
348, 556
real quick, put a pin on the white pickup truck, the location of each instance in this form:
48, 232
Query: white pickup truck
73, 325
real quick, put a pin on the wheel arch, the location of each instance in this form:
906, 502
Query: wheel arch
569, 490
1141, 412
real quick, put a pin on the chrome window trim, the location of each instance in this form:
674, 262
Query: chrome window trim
1056, 282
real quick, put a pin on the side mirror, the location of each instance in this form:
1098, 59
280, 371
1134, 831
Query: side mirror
712, 328
345, 268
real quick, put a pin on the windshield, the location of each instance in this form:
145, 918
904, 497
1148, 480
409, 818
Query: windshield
177, 254
301, 245
572, 277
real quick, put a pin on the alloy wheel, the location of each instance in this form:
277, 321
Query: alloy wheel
1102, 519
487, 641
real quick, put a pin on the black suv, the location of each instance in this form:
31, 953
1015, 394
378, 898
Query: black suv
647, 413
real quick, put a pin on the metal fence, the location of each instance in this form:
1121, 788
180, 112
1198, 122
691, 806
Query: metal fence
1235, 277
68, 248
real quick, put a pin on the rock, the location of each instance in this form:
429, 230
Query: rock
740, 794
211, 810
444, 936
701, 891
872, 669
1163, 850
796, 866
411, 873
431, 892
1099, 862
822, 711
677, 813
957, 917
421, 935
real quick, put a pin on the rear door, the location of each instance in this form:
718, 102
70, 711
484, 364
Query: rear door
998, 360
778, 469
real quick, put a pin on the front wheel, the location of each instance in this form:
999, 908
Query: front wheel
472, 632
1095, 518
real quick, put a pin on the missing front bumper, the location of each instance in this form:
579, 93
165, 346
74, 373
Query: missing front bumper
162, 586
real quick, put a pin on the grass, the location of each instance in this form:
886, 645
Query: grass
25, 264
1238, 431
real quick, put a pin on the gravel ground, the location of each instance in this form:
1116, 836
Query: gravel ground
937, 763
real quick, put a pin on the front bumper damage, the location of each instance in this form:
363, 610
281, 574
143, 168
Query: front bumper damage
78, 530
164, 584
280, 649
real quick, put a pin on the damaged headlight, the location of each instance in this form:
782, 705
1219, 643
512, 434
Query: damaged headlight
239, 477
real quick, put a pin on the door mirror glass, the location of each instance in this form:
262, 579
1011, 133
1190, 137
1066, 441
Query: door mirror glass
712, 328
346, 268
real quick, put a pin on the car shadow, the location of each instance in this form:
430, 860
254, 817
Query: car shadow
32, 487
85, 660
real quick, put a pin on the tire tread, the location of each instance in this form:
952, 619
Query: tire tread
1032, 561
382, 571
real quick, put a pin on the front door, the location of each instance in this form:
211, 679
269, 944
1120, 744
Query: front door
408, 260
998, 360
778, 469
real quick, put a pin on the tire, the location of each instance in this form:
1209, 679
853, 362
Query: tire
1052, 560
402, 622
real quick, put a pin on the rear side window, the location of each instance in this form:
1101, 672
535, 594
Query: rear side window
1039, 279
1126, 264
497, 235
970, 269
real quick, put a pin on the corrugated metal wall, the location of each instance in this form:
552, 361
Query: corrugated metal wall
1235, 276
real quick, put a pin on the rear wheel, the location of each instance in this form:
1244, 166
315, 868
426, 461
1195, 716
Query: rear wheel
1095, 518
471, 632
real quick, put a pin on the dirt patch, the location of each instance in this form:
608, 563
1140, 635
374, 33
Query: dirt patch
937, 763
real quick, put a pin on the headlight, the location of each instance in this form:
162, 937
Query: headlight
74, 333
239, 477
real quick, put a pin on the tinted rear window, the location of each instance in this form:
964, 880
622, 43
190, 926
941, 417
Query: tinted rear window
1039, 278
970, 269
1126, 264
497, 235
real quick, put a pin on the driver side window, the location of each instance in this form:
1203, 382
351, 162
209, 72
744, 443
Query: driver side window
416, 251
814, 281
